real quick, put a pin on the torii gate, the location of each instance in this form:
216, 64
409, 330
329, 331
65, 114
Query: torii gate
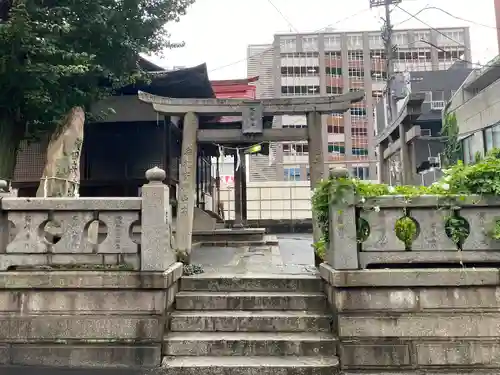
252, 131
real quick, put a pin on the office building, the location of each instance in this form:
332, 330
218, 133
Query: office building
334, 63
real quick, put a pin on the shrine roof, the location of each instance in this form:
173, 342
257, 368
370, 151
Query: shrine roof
183, 83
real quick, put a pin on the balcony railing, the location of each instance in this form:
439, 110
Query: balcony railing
437, 104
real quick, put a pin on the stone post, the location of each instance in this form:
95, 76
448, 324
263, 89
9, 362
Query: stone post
4, 223
342, 251
156, 250
317, 166
187, 184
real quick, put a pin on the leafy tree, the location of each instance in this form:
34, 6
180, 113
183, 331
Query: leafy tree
452, 148
58, 54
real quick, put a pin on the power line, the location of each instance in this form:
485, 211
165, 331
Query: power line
283, 16
429, 26
410, 18
459, 18
450, 38
447, 37
271, 48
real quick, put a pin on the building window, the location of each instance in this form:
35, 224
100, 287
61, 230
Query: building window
359, 151
334, 90
296, 149
468, 150
362, 173
358, 112
310, 43
295, 126
292, 174
332, 42
355, 41
492, 138
353, 72
332, 71
335, 129
336, 148
288, 44
300, 90
359, 132
299, 71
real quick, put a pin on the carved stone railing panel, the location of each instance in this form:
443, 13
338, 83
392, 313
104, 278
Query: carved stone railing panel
431, 229
119, 227
433, 241
71, 228
382, 236
28, 227
481, 220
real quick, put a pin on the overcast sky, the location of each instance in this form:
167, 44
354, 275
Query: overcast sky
218, 31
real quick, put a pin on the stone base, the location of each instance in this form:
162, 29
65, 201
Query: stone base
85, 318
436, 321
90, 354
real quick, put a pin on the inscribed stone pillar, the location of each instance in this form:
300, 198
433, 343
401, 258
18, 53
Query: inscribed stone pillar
187, 184
317, 166
156, 220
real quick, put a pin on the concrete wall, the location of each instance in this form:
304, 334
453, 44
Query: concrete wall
476, 110
85, 319
434, 321
272, 200
479, 111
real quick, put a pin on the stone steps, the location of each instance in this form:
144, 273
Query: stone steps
249, 321
253, 283
250, 325
250, 301
249, 344
249, 365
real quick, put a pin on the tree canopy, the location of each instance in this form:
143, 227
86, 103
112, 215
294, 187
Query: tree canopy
57, 54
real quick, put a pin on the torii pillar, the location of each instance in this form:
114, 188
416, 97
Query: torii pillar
317, 166
187, 184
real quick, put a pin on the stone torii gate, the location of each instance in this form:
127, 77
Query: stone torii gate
252, 131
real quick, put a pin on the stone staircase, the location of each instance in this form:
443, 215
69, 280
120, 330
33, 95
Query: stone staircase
252, 325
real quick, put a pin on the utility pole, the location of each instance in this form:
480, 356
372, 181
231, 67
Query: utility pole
387, 38
391, 103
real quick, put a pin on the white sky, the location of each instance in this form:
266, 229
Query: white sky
218, 31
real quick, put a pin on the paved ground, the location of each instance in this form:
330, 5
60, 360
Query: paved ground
293, 255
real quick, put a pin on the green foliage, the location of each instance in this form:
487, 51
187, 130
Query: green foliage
192, 269
452, 147
481, 178
57, 54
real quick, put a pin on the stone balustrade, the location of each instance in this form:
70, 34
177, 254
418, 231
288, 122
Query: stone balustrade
107, 233
449, 230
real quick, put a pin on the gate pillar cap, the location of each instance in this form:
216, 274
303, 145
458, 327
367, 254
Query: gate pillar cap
155, 174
